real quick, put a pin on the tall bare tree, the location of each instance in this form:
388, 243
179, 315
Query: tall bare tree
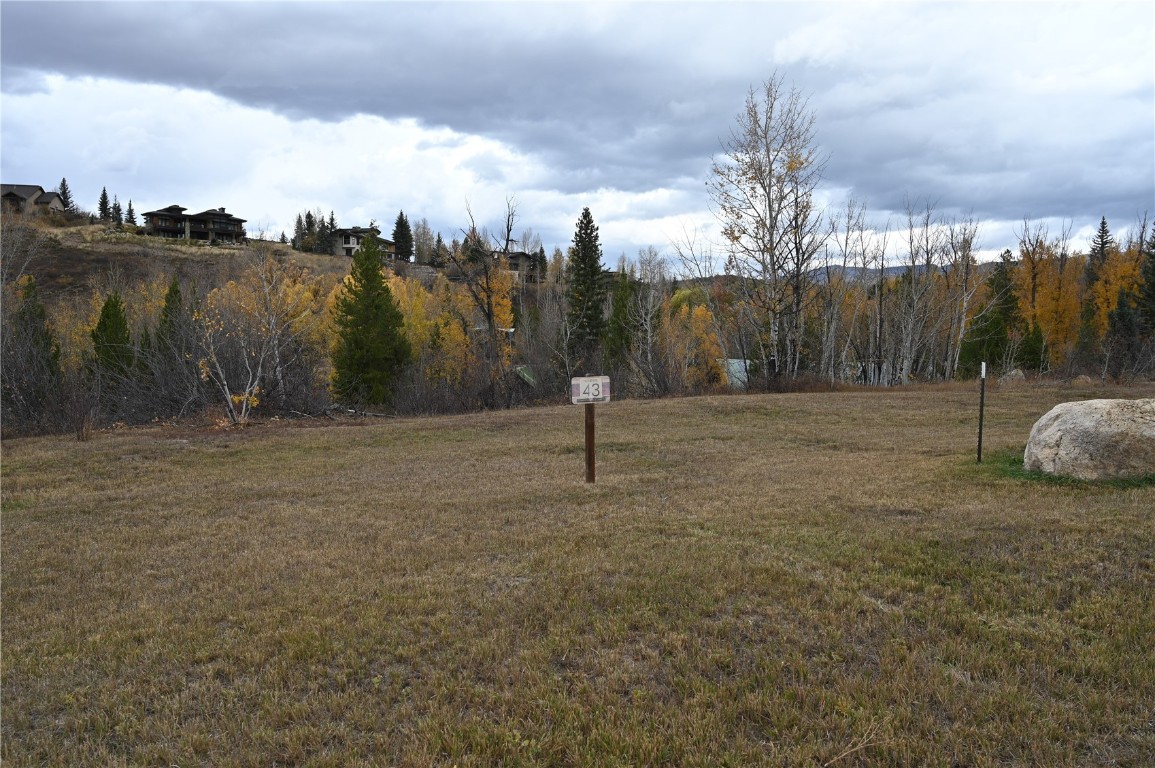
961, 276
646, 317
924, 250
846, 252
762, 190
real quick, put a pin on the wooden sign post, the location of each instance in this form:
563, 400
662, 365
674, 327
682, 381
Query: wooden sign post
588, 391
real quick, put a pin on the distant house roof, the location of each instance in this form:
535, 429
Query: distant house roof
357, 231
172, 210
215, 213
34, 193
211, 213
23, 191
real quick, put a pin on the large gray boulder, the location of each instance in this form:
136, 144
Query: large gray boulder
1094, 440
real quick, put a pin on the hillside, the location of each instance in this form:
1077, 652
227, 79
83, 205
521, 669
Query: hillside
72, 259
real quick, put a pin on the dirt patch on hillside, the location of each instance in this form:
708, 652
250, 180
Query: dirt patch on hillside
75, 259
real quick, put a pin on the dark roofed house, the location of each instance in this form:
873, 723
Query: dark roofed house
214, 225
29, 198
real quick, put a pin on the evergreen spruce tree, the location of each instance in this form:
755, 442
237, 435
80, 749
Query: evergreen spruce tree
989, 337
1089, 346
437, 256
176, 380
111, 339
1033, 350
585, 293
66, 196
619, 330
30, 368
1145, 302
403, 238
130, 215
371, 350
1123, 341
104, 206
299, 234
1101, 245
168, 329
117, 212
284, 238
541, 264
323, 242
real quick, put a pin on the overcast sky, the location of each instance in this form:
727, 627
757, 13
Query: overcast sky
1000, 110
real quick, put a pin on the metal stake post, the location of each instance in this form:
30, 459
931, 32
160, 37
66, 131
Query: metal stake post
982, 407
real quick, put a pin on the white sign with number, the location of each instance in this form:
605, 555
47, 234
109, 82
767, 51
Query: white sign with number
590, 389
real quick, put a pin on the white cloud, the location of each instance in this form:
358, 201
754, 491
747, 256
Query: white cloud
200, 150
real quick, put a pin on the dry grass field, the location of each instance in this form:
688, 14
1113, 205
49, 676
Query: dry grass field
811, 579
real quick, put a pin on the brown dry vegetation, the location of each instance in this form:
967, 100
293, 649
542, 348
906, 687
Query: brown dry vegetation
77, 258
808, 579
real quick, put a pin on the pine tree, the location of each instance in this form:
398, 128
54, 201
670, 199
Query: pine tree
437, 256
322, 243
371, 350
130, 215
171, 313
104, 206
117, 212
299, 234
1146, 299
176, 378
585, 292
1123, 338
111, 340
66, 196
284, 238
30, 368
540, 264
1101, 245
619, 330
403, 238
989, 338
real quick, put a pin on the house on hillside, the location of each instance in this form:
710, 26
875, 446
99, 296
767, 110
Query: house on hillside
213, 226
348, 241
29, 199
525, 265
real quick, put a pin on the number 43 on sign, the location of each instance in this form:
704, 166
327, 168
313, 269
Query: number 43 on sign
590, 389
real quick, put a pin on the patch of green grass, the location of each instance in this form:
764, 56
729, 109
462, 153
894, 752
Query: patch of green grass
1010, 464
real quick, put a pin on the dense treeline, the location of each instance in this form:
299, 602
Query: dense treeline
271, 338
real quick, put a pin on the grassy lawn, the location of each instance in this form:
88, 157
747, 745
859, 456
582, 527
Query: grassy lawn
814, 579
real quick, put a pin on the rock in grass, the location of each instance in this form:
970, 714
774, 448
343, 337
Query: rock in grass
1094, 440
1012, 378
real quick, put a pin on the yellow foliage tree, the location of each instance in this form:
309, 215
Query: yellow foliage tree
690, 340
1057, 309
1120, 271
250, 327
